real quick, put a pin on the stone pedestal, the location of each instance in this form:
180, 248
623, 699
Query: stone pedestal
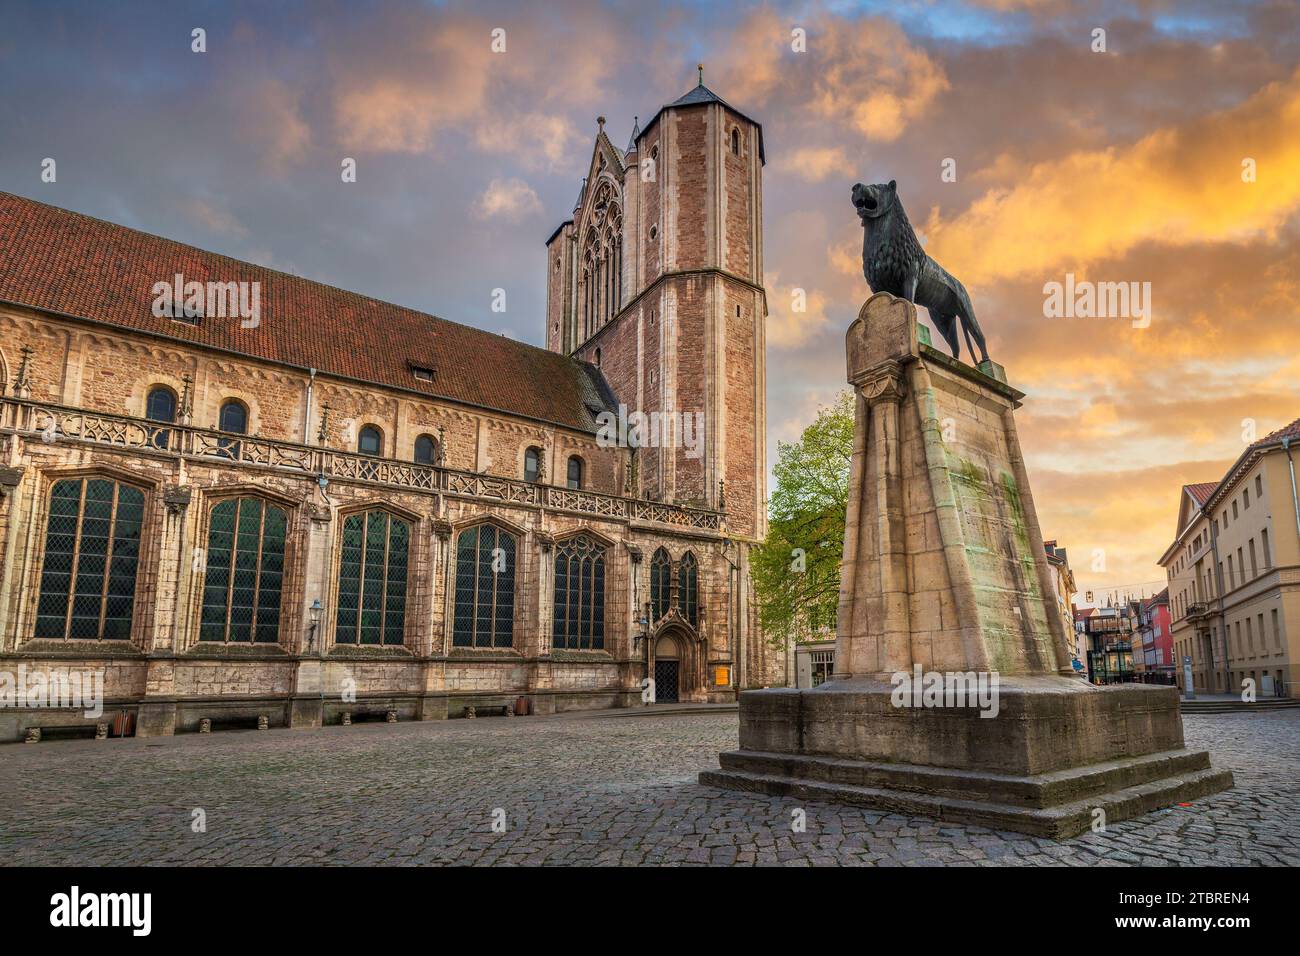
945, 584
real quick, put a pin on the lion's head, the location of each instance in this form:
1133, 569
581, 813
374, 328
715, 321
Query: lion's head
874, 201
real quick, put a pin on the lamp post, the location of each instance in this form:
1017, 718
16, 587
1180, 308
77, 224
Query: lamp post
314, 611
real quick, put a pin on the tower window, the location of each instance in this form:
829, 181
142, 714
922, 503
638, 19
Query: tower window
597, 357
654, 232
735, 141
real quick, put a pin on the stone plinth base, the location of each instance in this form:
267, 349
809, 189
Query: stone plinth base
1056, 750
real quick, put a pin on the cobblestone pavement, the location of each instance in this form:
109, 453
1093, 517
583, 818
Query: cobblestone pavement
574, 790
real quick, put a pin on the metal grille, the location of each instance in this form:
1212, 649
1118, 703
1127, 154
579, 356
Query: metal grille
245, 572
666, 673
661, 574
579, 603
92, 550
485, 588
372, 579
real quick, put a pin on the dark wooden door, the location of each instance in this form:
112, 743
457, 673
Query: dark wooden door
666, 682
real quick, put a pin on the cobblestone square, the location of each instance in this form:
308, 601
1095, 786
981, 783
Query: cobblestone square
602, 790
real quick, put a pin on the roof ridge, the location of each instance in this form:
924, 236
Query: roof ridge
282, 273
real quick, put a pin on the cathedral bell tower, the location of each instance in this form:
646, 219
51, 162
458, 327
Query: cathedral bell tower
658, 279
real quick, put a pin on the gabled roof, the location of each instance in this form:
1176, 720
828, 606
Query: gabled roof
701, 96
1206, 495
63, 262
1201, 491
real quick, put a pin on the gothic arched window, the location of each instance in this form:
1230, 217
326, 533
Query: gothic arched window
735, 141
485, 588
574, 477
92, 550
602, 259
688, 582
245, 572
579, 594
532, 464
661, 583
372, 579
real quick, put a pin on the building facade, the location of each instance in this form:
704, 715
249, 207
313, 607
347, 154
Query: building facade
1155, 638
1064, 589
1234, 574
343, 507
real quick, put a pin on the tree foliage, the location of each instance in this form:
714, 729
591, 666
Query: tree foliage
796, 570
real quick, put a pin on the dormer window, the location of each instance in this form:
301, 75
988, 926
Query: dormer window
421, 373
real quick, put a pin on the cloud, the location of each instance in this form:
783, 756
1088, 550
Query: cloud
1179, 184
815, 163
510, 199
795, 314
214, 219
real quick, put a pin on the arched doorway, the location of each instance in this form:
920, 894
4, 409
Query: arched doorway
668, 670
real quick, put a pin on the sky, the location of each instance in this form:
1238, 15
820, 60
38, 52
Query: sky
1164, 150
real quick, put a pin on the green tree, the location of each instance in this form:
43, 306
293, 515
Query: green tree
796, 570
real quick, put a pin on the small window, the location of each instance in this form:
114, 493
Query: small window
654, 232
426, 450
654, 151
735, 141
597, 357
557, 263
532, 464
423, 374
575, 472
370, 441
233, 417
160, 406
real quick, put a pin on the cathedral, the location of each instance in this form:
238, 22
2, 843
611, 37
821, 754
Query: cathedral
331, 508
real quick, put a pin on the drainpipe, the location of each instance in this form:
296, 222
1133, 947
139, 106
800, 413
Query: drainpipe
1295, 501
1223, 621
306, 422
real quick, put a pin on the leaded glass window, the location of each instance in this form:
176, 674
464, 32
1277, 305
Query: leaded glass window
485, 588
579, 594
245, 572
661, 577
372, 579
688, 596
92, 551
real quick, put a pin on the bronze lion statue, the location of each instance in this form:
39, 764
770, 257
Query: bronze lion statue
894, 262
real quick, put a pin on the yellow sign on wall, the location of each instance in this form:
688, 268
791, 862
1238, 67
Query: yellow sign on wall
721, 676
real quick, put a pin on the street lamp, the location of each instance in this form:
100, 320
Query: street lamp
314, 611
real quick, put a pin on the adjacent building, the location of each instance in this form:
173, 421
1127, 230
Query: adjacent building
1153, 644
1063, 590
1234, 574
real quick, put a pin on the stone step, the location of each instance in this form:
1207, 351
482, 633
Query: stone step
1237, 706
1037, 791
1061, 822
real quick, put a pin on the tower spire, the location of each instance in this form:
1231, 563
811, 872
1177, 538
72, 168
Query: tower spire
700, 67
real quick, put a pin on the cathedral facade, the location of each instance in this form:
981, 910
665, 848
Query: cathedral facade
334, 508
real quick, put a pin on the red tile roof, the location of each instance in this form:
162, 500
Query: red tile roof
1201, 491
62, 261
